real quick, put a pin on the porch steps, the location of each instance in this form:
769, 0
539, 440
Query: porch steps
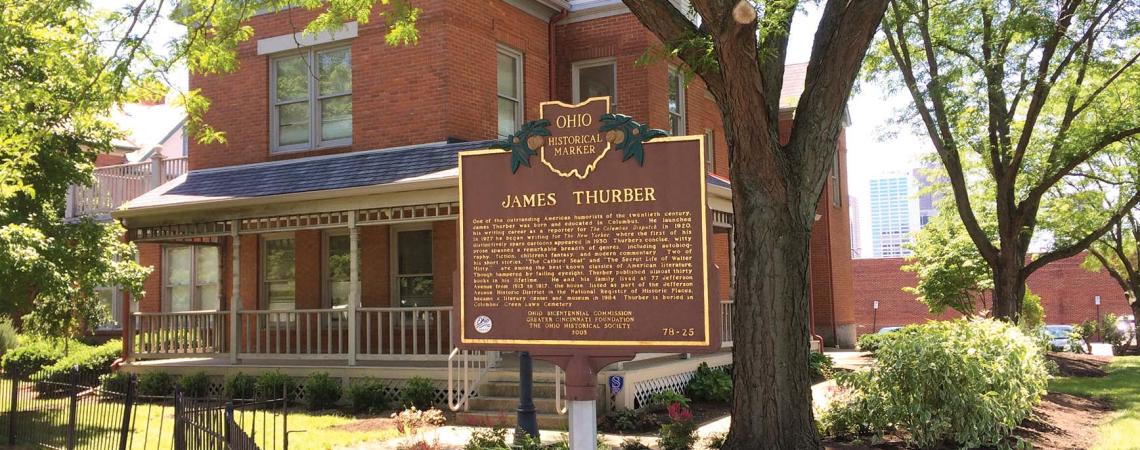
498, 401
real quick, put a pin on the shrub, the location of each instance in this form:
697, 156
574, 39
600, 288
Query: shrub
493, 439
240, 386
368, 396
966, 383
156, 384
710, 385
1032, 313
418, 393
665, 398
322, 391
92, 362
9, 338
32, 355
630, 420
822, 366
872, 341
411, 420
681, 433
633, 444
715, 441
274, 385
115, 382
195, 385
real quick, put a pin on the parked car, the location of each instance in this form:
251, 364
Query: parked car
1058, 336
885, 330
1126, 324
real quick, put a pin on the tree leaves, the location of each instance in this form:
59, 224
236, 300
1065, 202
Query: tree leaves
521, 145
631, 135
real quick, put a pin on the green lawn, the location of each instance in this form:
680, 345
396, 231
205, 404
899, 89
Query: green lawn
1122, 388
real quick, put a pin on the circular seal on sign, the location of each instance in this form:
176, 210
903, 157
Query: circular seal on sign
483, 324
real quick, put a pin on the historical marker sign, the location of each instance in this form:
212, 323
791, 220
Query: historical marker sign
603, 247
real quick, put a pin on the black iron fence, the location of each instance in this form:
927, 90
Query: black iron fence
71, 411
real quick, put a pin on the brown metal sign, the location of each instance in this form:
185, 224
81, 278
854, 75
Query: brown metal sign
595, 252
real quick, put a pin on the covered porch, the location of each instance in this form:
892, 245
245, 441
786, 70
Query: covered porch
250, 271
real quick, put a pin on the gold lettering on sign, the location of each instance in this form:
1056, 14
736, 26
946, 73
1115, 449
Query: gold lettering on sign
530, 200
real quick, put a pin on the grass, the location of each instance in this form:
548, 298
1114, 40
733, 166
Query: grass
1122, 388
154, 424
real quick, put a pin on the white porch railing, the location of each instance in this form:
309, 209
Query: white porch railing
179, 334
727, 310
115, 185
381, 333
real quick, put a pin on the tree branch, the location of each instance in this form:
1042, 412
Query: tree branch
671, 25
1083, 243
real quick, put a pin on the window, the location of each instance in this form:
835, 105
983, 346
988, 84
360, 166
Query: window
510, 75
597, 78
278, 273
191, 278
109, 297
303, 90
412, 268
338, 264
836, 188
676, 102
710, 151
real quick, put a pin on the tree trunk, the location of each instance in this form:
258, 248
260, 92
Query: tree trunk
1009, 286
772, 404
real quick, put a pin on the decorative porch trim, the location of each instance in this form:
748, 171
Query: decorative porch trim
180, 231
205, 231
722, 219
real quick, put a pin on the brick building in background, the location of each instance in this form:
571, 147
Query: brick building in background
337, 141
1067, 293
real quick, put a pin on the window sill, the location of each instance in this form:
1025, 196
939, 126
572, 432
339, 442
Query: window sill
330, 149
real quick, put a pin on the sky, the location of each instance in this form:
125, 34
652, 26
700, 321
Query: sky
872, 150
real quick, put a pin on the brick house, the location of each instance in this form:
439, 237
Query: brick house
333, 204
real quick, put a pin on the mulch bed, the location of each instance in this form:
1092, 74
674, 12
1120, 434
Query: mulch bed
1079, 365
370, 424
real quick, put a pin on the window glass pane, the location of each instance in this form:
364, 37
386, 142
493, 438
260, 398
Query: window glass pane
508, 76
414, 252
508, 120
339, 258
335, 72
279, 260
336, 118
596, 81
676, 124
674, 92
180, 299
178, 265
281, 295
292, 79
206, 265
338, 293
208, 296
294, 123
416, 291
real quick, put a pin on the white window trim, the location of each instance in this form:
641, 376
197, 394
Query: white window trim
315, 142
394, 261
836, 188
680, 101
576, 67
195, 303
520, 70
263, 253
326, 270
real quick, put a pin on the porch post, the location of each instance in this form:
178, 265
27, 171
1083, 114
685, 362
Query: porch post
353, 285
235, 285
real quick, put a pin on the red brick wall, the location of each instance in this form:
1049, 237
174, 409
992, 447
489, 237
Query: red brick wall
721, 250
1065, 288
308, 265
151, 301
109, 159
445, 254
443, 87
375, 287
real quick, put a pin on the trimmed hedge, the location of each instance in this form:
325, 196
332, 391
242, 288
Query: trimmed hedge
92, 363
368, 396
322, 391
240, 386
963, 383
32, 355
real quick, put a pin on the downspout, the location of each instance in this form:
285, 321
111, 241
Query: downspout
553, 50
